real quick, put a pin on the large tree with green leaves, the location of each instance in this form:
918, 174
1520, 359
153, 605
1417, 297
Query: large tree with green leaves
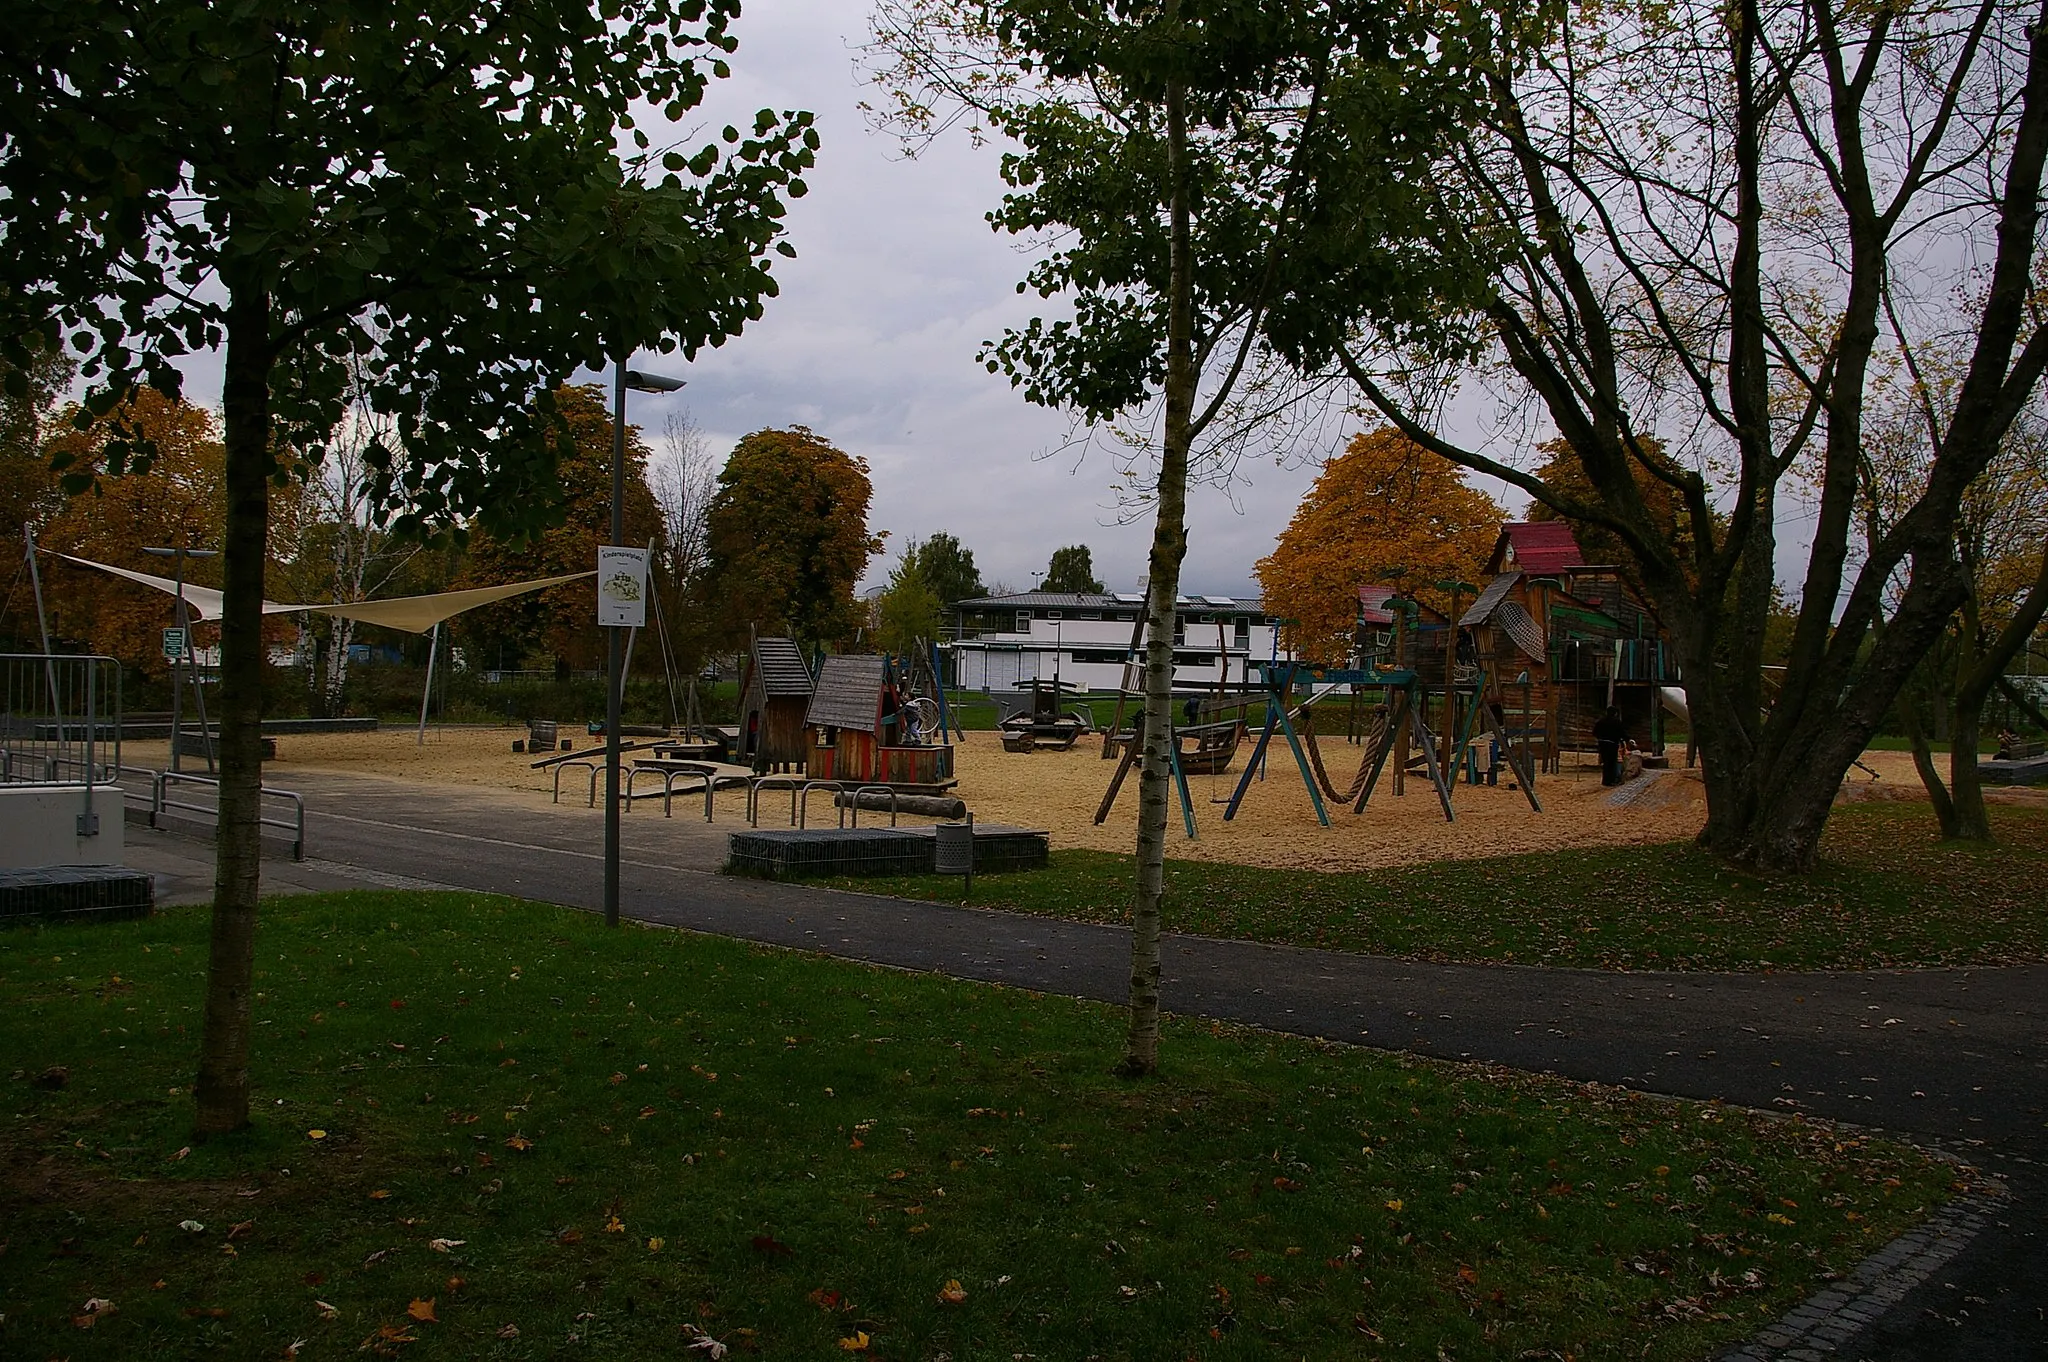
1164, 149
432, 190
1071, 569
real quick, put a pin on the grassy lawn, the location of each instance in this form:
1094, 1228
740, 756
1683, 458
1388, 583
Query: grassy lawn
490, 1129
1887, 894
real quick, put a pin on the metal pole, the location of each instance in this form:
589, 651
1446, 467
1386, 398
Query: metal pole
199, 702
433, 649
35, 581
613, 651
177, 688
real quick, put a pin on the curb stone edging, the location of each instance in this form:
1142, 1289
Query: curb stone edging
1825, 1322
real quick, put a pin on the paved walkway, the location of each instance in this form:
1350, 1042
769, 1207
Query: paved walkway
1957, 1056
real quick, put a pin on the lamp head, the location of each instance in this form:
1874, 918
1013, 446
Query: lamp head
652, 383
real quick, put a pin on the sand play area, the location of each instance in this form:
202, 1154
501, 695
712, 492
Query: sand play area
1059, 792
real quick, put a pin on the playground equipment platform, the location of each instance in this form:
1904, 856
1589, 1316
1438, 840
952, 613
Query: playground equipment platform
809, 853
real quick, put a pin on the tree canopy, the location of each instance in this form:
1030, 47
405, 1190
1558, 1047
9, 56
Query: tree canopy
788, 537
1071, 569
947, 567
559, 625
1385, 505
430, 197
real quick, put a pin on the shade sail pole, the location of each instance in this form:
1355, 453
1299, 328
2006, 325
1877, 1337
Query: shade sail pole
426, 693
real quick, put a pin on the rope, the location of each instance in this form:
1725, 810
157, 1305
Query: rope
1373, 739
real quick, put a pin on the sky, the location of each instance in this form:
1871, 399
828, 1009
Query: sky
897, 280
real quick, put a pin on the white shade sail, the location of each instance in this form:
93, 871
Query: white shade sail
413, 614
419, 614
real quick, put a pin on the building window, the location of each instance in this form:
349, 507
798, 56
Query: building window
1052, 614
1244, 632
1023, 621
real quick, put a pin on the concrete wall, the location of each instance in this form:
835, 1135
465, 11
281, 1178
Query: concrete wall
39, 826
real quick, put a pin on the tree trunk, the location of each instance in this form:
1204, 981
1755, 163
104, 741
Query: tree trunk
1973, 687
1772, 780
1923, 762
1162, 592
223, 1084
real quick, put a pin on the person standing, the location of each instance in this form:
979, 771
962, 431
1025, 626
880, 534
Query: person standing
1610, 733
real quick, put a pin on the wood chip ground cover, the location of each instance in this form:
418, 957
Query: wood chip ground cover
490, 1129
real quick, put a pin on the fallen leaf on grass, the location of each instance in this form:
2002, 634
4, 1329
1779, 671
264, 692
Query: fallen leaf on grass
1287, 1184
569, 1237
326, 1311
316, 1134
952, 1293
388, 1339
422, 1310
241, 1227
519, 1142
614, 1225
508, 1331
826, 1300
1394, 1204
205, 1312
655, 1244
445, 1245
191, 1227
182, 1153
380, 1195
771, 1246
856, 1344
703, 1342
96, 1309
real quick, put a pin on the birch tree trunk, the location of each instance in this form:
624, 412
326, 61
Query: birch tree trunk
1162, 593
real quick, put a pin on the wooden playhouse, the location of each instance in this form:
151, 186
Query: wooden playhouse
855, 729
775, 692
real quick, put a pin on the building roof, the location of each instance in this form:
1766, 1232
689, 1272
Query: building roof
849, 691
1536, 546
1090, 600
1490, 598
783, 670
1372, 604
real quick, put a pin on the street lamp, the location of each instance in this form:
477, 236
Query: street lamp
622, 379
181, 553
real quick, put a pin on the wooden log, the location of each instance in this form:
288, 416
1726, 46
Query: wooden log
924, 806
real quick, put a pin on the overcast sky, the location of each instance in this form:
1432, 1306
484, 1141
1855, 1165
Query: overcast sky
872, 343
897, 280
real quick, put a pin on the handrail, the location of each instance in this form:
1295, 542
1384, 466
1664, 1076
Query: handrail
804, 797
162, 802
789, 783
564, 765
853, 803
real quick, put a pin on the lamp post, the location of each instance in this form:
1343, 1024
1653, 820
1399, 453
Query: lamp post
180, 554
622, 379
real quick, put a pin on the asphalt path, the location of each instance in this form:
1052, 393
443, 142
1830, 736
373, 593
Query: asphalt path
1959, 1057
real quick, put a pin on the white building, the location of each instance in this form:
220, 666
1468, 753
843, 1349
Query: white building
1081, 638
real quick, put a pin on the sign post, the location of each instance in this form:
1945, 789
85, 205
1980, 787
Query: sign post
174, 645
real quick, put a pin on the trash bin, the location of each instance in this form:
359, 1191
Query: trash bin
954, 854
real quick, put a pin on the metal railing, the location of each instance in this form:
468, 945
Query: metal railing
853, 803
60, 723
161, 803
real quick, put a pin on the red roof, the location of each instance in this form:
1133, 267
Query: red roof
1372, 604
1539, 546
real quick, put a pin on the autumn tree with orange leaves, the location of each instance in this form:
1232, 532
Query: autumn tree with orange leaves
1384, 506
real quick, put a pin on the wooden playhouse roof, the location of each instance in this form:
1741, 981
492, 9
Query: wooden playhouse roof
849, 692
782, 668
1535, 546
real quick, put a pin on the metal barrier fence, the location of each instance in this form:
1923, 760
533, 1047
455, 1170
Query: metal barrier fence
60, 718
161, 803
